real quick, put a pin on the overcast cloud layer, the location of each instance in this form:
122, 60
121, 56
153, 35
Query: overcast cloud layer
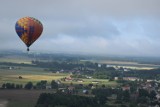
104, 27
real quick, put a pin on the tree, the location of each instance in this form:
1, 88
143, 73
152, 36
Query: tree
143, 93
63, 100
20, 77
143, 96
119, 95
4, 86
101, 95
10, 85
103, 86
17, 86
90, 85
41, 85
126, 95
54, 84
152, 95
101, 98
29, 85
142, 99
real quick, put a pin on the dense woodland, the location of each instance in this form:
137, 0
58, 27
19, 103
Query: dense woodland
62, 100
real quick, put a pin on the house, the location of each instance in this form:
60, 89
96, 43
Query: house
134, 96
150, 80
107, 66
62, 90
58, 82
10, 68
99, 65
57, 72
68, 79
125, 69
89, 77
85, 92
124, 88
115, 78
93, 87
131, 78
80, 81
95, 82
71, 90
48, 87
158, 96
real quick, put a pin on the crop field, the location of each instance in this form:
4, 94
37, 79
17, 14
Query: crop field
32, 74
125, 64
37, 74
21, 98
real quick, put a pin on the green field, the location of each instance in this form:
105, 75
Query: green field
28, 74
125, 64
15, 59
98, 82
34, 75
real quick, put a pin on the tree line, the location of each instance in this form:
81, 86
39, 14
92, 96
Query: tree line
29, 85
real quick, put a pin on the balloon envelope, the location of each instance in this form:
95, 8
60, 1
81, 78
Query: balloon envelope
29, 30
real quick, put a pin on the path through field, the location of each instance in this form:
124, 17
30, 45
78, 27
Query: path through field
3, 103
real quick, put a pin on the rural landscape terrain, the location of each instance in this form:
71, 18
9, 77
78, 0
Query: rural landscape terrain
80, 53
27, 78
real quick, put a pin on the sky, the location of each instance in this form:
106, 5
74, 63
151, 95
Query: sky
93, 27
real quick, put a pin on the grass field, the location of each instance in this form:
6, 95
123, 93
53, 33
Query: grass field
28, 74
98, 82
16, 59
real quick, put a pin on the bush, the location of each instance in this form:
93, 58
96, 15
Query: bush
29, 85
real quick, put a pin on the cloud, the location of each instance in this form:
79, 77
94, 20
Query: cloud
116, 27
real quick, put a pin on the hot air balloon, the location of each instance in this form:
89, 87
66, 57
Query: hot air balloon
29, 30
